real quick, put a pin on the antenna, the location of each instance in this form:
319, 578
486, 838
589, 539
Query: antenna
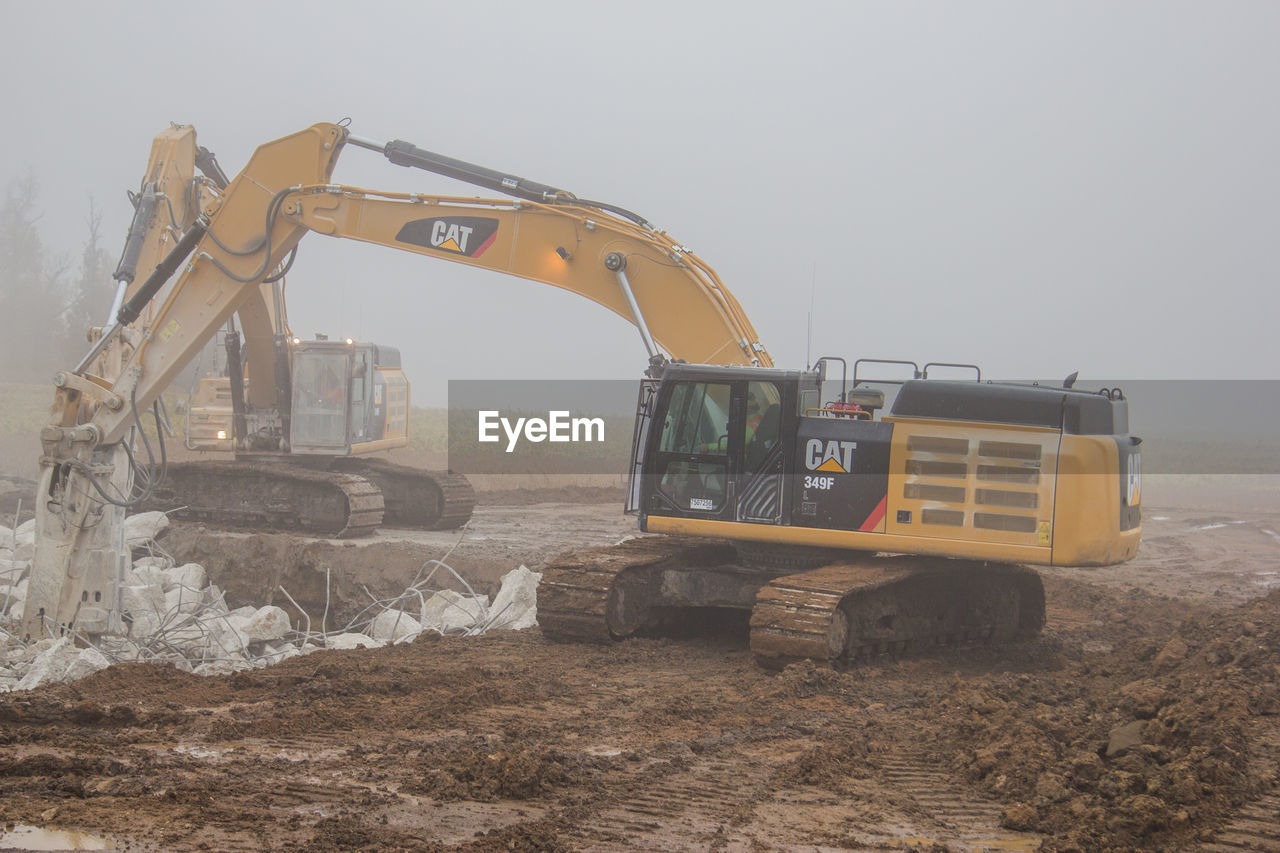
813, 289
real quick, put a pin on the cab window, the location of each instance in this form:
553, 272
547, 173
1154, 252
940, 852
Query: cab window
697, 419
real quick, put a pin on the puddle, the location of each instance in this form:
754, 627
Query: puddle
35, 838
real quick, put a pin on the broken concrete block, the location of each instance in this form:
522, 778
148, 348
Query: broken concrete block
452, 612
186, 633
515, 607
138, 599
6, 536
214, 601
86, 663
145, 624
352, 641
25, 532
182, 599
49, 665
393, 626
266, 623
16, 591
11, 569
142, 528
276, 652
224, 639
146, 573
189, 575
119, 649
25, 552
31, 652
221, 667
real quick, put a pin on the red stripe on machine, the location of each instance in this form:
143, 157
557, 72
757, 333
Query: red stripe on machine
873, 520
486, 244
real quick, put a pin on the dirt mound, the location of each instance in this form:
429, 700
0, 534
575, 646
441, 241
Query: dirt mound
1147, 745
1137, 721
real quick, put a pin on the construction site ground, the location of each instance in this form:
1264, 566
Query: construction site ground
1147, 716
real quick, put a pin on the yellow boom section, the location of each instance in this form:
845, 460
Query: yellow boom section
690, 313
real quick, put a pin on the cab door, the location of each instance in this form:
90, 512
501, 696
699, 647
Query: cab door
718, 451
361, 383
761, 464
689, 465
320, 401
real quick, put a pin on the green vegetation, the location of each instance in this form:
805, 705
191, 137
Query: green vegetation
429, 429
24, 409
48, 301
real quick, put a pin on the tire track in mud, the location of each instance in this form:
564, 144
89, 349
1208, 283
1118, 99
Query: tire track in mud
918, 776
717, 800
686, 808
1256, 828
975, 823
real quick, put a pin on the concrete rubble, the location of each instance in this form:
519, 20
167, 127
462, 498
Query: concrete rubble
172, 614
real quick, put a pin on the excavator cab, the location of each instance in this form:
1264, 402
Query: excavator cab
715, 450
347, 398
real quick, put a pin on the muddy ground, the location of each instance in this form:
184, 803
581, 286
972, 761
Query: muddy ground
1147, 716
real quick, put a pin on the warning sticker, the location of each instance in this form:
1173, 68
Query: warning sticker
1044, 533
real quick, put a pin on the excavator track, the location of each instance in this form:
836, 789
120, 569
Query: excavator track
266, 495
414, 498
346, 499
838, 613
855, 610
607, 593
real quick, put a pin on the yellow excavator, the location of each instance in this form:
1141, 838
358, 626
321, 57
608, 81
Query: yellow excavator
838, 529
301, 417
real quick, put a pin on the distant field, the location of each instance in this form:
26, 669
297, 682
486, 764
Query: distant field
1236, 473
24, 409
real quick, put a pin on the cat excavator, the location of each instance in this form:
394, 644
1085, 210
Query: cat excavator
838, 529
302, 418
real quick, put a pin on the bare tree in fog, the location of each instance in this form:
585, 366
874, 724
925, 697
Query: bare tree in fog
31, 298
90, 297
45, 316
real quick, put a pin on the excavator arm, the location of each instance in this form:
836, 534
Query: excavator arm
242, 237
678, 302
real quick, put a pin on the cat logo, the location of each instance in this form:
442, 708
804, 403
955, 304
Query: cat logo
1133, 490
459, 235
833, 456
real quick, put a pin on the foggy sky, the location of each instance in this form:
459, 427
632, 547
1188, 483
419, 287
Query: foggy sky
1035, 187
